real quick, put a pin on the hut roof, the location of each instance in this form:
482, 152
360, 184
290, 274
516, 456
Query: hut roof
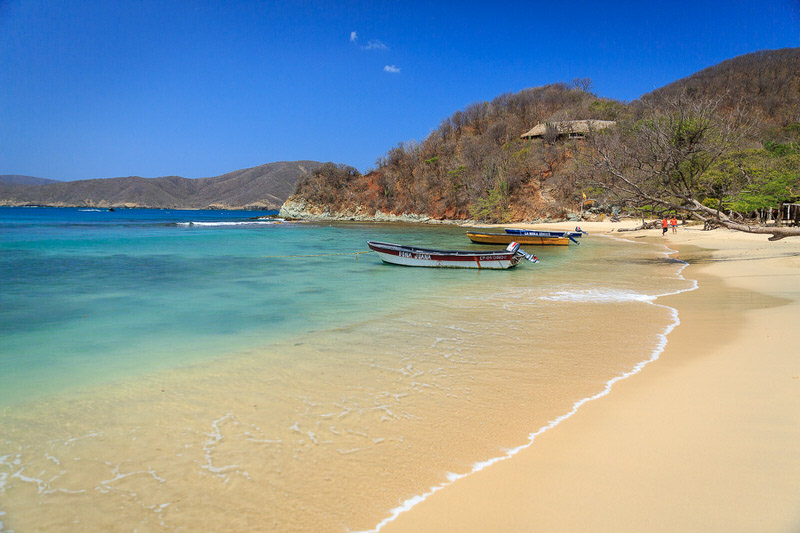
566, 127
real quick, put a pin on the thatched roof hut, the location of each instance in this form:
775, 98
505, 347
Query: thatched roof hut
569, 128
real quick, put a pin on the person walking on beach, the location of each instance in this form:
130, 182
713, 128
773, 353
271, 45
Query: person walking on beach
674, 223
663, 226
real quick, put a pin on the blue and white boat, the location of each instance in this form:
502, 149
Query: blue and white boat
572, 235
399, 254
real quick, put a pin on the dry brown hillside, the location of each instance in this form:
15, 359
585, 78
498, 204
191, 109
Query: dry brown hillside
263, 187
475, 165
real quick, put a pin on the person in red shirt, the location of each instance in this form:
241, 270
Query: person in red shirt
674, 223
663, 226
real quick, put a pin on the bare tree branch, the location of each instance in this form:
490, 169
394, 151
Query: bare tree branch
664, 160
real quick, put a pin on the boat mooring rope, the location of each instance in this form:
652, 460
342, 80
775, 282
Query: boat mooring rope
320, 255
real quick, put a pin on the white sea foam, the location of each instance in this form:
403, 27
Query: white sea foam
348, 452
265, 441
42, 486
119, 476
598, 296
654, 355
4, 461
232, 223
214, 438
73, 440
53, 459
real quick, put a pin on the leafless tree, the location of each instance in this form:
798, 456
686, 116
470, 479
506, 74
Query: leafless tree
664, 158
584, 84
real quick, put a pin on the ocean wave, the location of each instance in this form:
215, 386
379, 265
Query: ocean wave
236, 223
598, 296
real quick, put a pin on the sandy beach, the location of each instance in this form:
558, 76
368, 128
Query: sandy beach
332, 427
706, 438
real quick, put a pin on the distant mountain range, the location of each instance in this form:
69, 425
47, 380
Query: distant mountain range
263, 187
16, 179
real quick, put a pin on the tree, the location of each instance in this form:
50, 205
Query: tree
766, 177
670, 159
583, 84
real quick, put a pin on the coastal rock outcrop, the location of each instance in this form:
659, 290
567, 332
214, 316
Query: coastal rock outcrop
299, 208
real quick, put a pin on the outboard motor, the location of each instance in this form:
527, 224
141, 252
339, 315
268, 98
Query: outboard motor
514, 248
529, 257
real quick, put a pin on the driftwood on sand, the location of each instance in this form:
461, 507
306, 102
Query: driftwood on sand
655, 224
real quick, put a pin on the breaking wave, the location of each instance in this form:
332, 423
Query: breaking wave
598, 296
237, 223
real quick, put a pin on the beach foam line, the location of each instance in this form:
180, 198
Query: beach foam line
598, 296
5, 461
410, 503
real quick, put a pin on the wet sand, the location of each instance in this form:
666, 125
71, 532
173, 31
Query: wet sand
703, 439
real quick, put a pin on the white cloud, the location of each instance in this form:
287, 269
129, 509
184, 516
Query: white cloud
372, 44
391, 68
375, 44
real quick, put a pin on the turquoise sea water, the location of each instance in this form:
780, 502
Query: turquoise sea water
89, 295
176, 369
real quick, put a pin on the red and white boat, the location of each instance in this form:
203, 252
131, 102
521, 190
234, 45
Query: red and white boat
398, 254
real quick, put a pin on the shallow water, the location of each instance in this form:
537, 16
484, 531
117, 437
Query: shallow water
165, 376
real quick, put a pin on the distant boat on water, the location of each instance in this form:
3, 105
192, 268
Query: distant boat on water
505, 238
399, 254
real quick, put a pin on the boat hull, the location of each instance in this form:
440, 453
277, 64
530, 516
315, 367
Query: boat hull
506, 238
397, 254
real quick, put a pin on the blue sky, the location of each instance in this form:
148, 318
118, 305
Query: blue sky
104, 88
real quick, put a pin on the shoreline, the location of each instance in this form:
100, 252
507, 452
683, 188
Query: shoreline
302, 435
285, 434
655, 354
684, 444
